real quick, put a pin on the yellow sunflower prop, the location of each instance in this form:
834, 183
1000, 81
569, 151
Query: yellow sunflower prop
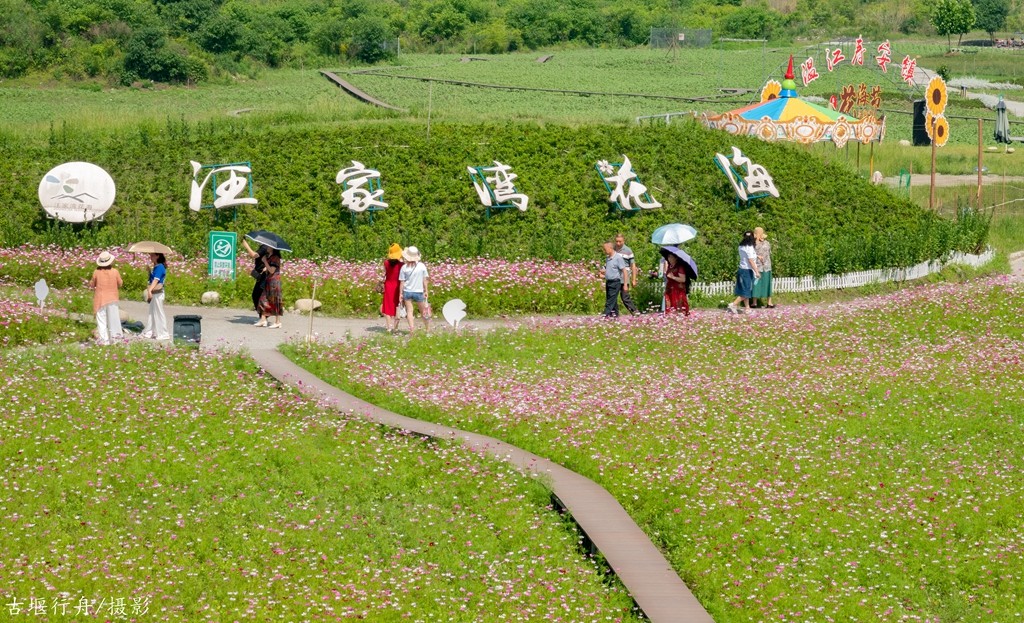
928, 119
770, 91
936, 96
941, 131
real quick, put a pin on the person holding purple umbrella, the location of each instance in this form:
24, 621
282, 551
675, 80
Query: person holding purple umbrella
676, 286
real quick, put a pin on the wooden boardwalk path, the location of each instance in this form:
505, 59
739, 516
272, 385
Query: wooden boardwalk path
654, 585
356, 93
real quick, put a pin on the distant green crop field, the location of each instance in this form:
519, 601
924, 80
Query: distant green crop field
280, 96
622, 85
659, 81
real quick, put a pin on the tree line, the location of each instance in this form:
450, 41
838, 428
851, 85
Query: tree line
190, 41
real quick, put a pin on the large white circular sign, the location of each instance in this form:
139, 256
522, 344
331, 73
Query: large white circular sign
76, 192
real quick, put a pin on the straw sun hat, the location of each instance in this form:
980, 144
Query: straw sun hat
105, 259
411, 254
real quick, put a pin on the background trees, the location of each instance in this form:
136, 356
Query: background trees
953, 17
193, 39
990, 15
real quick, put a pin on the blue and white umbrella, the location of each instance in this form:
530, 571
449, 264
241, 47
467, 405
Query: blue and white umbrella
674, 233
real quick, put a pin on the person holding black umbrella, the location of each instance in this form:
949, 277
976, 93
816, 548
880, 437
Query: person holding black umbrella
271, 301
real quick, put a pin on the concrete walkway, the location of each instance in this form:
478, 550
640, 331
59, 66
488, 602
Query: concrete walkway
653, 584
232, 329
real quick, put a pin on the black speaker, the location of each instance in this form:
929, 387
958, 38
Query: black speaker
920, 133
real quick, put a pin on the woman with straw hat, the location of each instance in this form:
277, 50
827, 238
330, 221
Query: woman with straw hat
413, 281
106, 282
391, 287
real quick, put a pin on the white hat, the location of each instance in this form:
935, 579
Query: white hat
411, 254
105, 259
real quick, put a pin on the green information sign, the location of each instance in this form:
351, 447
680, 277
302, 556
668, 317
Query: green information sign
223, 245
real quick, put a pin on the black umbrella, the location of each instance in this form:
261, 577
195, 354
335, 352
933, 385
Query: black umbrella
689, 266
272, 240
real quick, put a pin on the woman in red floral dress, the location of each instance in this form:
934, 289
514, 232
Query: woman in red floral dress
389, 306
675, 286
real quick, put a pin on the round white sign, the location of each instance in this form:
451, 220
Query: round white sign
76, 192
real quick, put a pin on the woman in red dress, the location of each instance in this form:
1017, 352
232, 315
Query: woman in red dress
675, 286
389, 306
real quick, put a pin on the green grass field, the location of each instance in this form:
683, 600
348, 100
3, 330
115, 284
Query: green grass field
172, 485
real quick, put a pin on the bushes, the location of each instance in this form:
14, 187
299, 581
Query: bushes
826, 220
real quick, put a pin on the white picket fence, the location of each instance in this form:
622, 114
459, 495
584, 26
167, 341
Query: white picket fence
852, 280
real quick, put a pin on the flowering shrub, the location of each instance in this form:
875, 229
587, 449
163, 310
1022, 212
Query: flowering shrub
488, 286
25, 323
825, 220
829, 463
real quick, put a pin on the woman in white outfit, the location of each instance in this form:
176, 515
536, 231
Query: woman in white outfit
156, 323
413, 281
106, 280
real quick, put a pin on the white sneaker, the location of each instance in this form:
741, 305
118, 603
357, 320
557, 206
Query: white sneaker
731, 308
147, 334
163, 338
276, 325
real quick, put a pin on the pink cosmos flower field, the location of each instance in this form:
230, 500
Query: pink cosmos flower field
853, 462
492, 286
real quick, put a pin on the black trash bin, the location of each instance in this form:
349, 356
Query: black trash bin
188, 328
918, 130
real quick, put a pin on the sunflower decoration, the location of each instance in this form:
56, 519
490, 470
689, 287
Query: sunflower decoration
929, 120
941, 131
770, 91
936, 95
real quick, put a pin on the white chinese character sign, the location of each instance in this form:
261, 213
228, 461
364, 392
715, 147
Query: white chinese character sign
77, 192
236, 190
748, 180
495, 185
625, 190
360, 189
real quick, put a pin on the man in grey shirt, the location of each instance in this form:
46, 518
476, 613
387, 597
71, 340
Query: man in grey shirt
615, 274
629, 279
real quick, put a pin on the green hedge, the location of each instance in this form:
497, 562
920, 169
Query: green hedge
825, 221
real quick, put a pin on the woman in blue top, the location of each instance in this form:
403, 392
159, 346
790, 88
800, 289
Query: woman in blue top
156, 323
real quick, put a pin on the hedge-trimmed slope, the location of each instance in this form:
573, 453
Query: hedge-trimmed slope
825, 221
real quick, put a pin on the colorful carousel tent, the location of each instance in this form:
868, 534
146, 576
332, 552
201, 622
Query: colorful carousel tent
783, 116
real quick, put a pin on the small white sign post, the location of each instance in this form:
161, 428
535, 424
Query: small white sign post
453, 312
42, 291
